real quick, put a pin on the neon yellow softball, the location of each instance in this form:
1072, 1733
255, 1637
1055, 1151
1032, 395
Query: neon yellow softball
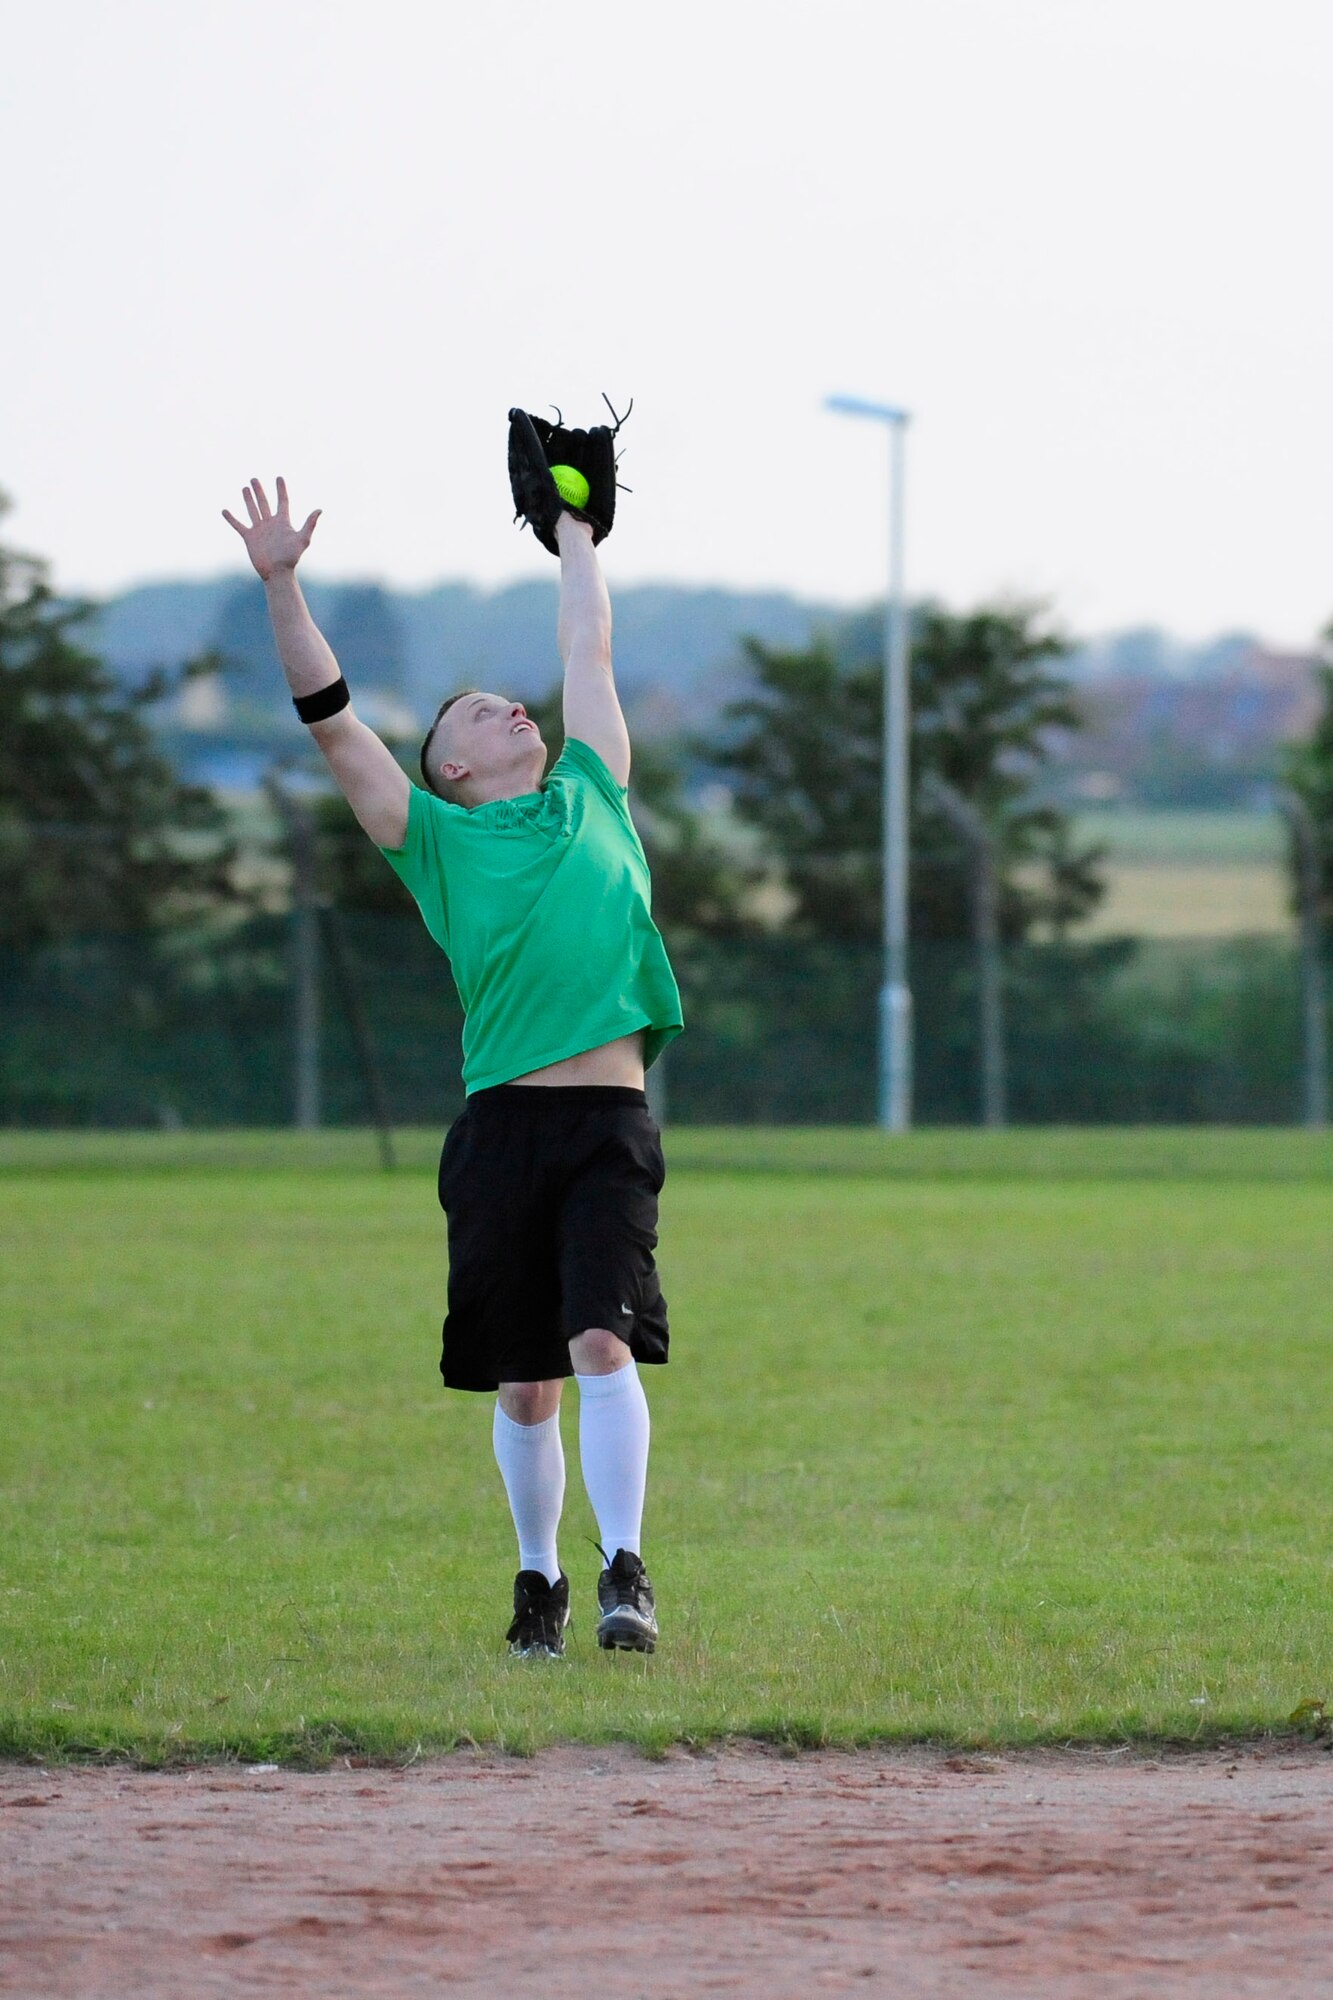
570, 484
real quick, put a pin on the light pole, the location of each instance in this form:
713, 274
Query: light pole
895, 999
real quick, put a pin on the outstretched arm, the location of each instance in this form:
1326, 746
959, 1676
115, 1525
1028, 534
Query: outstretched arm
592, 706
367, 773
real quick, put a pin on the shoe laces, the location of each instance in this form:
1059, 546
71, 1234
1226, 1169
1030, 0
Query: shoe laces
626, 1575
536, 1613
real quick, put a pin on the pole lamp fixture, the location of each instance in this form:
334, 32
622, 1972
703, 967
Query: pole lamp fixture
895, 998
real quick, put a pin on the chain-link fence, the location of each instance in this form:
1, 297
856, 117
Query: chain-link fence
136, 1032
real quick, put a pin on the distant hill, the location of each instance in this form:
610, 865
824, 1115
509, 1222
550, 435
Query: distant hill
1146, 653
676, 647
1169, 723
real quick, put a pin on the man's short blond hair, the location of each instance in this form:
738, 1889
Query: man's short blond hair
445, 789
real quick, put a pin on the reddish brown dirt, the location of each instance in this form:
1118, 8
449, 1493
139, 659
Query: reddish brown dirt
594, 1871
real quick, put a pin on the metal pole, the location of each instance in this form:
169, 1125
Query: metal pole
990, 997
894, 1095
1314, 989
985, 891
895, 1000
363, 1040
304, 947
656, 1086
305, 973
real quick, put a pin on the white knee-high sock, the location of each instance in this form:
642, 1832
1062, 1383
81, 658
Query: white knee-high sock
531, 1459
613, 1447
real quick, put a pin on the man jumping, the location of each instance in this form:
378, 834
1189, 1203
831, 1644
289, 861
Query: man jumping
537, 888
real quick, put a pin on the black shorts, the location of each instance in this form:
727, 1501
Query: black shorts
551, 1198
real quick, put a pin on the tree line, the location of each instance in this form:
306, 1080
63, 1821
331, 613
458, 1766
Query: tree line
99, 834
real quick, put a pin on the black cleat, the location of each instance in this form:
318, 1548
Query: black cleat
541, 1613
629, 1615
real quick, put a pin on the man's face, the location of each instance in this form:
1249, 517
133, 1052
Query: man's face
484, 738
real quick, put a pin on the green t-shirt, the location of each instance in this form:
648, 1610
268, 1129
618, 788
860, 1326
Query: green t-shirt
543, 904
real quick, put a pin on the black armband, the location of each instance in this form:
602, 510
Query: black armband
318, 707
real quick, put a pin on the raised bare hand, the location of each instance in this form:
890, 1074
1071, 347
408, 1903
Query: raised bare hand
271, 542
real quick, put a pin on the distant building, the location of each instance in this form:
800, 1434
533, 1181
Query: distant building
1202, 740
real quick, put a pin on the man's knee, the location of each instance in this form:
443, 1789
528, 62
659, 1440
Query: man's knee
598, 1352
529, 1402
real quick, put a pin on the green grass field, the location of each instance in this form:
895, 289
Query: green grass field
1220, 837
987, 1439
1194, 875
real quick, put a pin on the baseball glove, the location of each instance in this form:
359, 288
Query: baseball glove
535, 446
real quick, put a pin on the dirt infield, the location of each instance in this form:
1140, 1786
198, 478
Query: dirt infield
741, 1871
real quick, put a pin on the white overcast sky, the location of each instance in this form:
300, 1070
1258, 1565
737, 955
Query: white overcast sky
1086, 242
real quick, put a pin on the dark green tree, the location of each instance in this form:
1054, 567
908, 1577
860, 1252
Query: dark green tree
97, 833
1309, 774
804, 757
352, 873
